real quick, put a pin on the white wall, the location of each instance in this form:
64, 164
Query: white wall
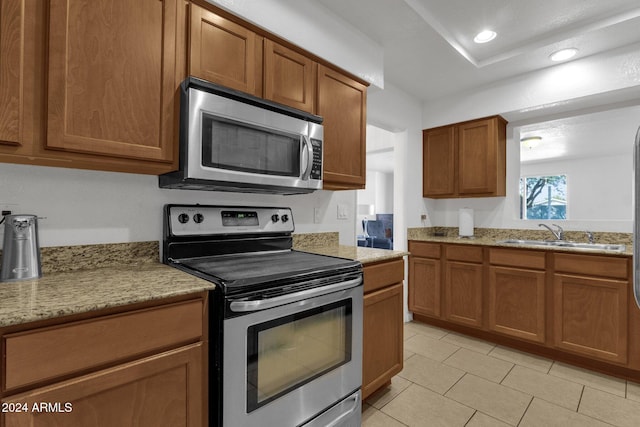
89, 207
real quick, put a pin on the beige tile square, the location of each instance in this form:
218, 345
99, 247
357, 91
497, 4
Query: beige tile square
419, 407
479, 364
371, 417
483, 420
610, 408
556, 390
430, 373
541, 413
424, 329
430, 347
386, 394
504, 403
633, 391
407, 354
589, 378
523, 359
471, 343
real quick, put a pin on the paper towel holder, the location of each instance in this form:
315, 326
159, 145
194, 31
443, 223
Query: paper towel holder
465, 223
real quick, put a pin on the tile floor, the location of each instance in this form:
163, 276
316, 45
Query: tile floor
453, 380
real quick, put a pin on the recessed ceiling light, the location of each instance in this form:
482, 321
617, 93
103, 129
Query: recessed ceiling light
485, 36
563, 55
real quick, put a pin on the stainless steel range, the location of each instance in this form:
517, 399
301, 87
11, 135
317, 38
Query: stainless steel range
286, 326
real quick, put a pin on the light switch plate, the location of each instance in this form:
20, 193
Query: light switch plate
343, 211
316, 215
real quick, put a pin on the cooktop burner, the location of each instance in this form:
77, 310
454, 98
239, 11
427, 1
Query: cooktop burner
249, 269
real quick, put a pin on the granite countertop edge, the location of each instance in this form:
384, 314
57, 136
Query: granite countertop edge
357, 253
61, 294
487, 241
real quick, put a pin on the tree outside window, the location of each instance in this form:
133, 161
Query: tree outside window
543, 197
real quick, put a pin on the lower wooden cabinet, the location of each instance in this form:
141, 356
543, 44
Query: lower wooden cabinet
162, 390
590, 316
142, 366
517, 303
463, 285
578, 308
383, 324
425, 278
517, 293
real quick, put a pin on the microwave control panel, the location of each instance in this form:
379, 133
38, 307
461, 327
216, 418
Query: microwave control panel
316, 167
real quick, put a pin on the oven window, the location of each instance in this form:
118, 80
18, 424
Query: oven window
236, 146
288, 352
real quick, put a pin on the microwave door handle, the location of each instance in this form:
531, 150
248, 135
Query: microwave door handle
306, 145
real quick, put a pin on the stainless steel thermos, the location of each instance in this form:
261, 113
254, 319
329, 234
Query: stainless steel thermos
21, 250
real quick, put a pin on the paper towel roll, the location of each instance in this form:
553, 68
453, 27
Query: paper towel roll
465, 222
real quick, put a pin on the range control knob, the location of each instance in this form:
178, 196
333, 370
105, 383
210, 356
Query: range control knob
275, 218
183, 218
285, 218
198, 218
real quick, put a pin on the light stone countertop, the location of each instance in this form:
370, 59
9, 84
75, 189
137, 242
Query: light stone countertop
65, 293
78, 279
357, 253
492, 237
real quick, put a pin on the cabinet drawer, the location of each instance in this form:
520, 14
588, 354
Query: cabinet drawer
517, 258
464, 253
46, 353
387, 273
425, 250
592, 265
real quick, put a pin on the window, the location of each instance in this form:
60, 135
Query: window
543, 197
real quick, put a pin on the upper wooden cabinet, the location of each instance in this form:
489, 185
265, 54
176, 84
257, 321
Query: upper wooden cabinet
21, 57
289, 77
224, 52
11, 76
342, 102
465, 159
111, 77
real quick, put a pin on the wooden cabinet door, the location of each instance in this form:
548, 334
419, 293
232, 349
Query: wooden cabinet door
438, 157
463, 293
21, 56
342, 103
424, 286
590, 316
224, 52
289, 77
517, 303
162, 390
382, 337
112, 78
482, 157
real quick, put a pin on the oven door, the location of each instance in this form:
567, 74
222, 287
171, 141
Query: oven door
287, 364
231, 141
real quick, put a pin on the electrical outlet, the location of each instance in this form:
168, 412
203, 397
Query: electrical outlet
316, 215
423, 217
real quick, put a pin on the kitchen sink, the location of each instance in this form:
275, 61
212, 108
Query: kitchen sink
567, 244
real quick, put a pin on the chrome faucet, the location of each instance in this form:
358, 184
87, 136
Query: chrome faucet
590, 237
558, 234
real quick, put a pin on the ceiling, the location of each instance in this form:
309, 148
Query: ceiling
429, 49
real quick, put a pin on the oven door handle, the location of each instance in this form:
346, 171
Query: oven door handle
263, 304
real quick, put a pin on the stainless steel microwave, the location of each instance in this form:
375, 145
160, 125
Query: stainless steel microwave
232, 141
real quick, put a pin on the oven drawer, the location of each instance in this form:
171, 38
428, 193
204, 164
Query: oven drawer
46, 353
